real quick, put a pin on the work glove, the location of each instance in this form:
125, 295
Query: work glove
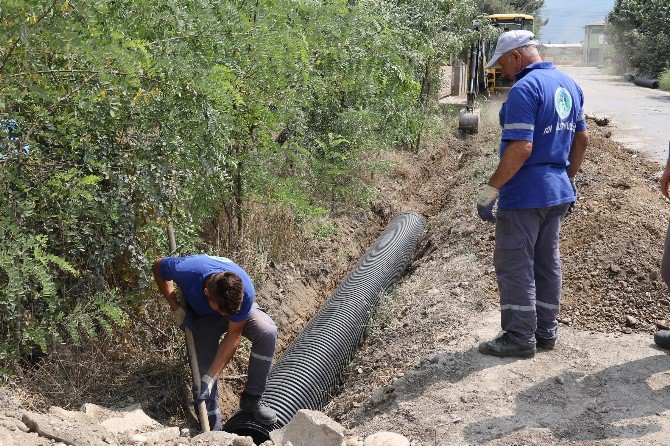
206, 386
487, 199
574, 189
181, 319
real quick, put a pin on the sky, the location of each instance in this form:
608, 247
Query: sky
568, 17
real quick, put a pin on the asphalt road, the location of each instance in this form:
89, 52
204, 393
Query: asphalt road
640, 117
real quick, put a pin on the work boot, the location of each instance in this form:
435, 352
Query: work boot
504, 347
545, 344
256, 407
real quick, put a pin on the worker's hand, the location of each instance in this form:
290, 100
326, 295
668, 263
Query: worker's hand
181, 319
665, 181
206, 386
574, 189
487, 199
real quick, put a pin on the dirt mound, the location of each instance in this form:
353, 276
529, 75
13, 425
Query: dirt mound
419, 371
613, 242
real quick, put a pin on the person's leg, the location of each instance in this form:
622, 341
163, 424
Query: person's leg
516, 233
207, 332
665, 261
262, 332
548, 276
662, 337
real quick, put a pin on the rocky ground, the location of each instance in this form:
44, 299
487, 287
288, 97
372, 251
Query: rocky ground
95, 425
419, 373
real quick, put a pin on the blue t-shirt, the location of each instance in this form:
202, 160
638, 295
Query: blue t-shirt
190, 273
545, 106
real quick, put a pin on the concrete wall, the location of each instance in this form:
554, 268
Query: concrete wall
459, 80
594, 44
561, 56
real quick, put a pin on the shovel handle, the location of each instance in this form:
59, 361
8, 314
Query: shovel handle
190, 347
195, 371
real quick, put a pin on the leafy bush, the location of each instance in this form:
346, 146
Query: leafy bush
640, 35
664, 80
117, 117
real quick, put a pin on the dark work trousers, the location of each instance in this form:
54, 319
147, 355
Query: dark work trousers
528, 270
260, 330
665, 261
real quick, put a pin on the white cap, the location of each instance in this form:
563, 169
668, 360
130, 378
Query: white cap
509, 41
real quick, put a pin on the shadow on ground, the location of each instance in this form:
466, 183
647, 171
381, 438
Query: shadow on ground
609, 404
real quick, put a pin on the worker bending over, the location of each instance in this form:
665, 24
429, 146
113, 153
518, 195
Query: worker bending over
219, 300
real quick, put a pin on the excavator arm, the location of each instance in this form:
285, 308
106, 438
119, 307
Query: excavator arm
468, 121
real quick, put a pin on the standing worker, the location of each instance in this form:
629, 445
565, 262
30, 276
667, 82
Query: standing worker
662, 337
219, 300
665, 190
544, 139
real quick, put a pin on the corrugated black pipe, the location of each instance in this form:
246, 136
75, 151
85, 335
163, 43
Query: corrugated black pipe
646, 82
310, 369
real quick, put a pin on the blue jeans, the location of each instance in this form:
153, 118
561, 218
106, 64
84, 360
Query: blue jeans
528, 270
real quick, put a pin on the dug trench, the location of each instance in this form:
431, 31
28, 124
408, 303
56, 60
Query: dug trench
418, 373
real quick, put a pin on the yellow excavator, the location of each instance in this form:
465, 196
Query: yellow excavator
489, 80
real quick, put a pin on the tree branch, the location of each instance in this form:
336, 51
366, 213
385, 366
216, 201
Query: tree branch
146, 324
11, 49
64, 98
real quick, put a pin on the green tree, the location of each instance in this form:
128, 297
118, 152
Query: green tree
432, 32
640, 34
118, 116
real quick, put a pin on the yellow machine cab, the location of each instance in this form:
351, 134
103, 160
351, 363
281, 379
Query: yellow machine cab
508, 22
511, 22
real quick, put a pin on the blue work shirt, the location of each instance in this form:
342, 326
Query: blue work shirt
545, 106
190, 273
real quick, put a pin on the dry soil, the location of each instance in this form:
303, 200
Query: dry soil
420, 373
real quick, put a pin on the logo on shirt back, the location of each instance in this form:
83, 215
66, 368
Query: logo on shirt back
562, 102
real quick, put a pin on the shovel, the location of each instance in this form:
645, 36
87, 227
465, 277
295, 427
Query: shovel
190, 349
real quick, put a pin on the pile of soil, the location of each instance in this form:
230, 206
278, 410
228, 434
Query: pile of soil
419, 371
613, 242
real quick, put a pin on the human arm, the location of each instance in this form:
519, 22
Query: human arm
577, 151
518, 117
166, 287
227, 348
665, 177
516, 153
665, 180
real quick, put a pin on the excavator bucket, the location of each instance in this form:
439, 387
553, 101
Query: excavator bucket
468, 121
